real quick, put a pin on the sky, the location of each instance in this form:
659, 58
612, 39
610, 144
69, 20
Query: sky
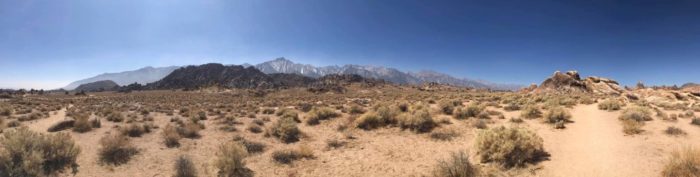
48, 44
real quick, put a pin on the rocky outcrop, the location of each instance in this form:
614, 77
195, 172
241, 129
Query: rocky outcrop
571, 82
214, 74
98, 86
692, 88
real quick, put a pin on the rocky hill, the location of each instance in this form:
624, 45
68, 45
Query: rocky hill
214, 74
104, 85
571, 82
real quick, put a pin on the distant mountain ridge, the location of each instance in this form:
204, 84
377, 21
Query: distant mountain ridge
283, 65
103, 85
143, 76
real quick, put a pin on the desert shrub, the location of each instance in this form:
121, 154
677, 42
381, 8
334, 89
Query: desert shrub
636, 113
587, 100
230, 160
116, 149
27, 153
133, 130
631, 127
509, 147
171, 137
334, 143
184, 167
268, 111
483, 115
370, 120
355, 109
417, 120
286, 130
671, 130
189, 130
387, 114
259, 122
318, 114
689, 114
291, 114
511, 107
82, 124
115, 117
447, 106
610, 105
287, 156
695, 121
685, 163
254, 128
457, 166
95, 123
444, 134
516, 120
251, 146
473, 110
530, 112
14, 123
479, 124
557, 114
304, 107
61, 125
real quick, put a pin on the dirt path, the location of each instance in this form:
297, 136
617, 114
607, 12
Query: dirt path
594, 145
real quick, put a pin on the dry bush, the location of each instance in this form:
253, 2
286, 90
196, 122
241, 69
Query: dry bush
61, 125
632, 127
457, 166
250, 146
287, 156
557, 114
370, 120
695, 121
27, 153
479, 124
636, 113
685, 163
671, 130
355, 109
509, 147
5, 110
115, 117
171, 137
286, 130
530, 112
511, 107
190, 130
447, 106
253, 128
317, 114
14, 123
417, 120
135, 129
610, 105
444, 134
230, 160
116, 149
334, 143
516, 120
184, 167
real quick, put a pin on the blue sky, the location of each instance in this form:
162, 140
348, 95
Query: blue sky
47, 44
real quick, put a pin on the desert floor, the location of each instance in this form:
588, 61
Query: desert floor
592, 145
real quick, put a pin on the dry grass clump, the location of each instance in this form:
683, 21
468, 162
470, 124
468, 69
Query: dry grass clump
59, 126
287, 156
457, 166
530, 112
509, 147
135, 129
472, 110
254, 128
27, 153
370, 120
685, 163
286, 130
5, 110
190, 130
417, 120
230, 160
671, 130
184, 167
636, 113
335, 143
511, 107
556, 115
356, 109
116, 149
632, 127
171, 137
610, 105
444, 134
317, 114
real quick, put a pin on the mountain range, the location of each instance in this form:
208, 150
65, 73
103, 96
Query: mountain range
281, 65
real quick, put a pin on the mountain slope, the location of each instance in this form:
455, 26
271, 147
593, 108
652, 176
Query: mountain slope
282, 65
104, 85
214, 74
143, 76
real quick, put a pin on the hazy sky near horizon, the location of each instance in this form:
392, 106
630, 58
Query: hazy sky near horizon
47, 44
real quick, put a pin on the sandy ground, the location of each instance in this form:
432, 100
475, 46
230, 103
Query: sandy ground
593, 145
